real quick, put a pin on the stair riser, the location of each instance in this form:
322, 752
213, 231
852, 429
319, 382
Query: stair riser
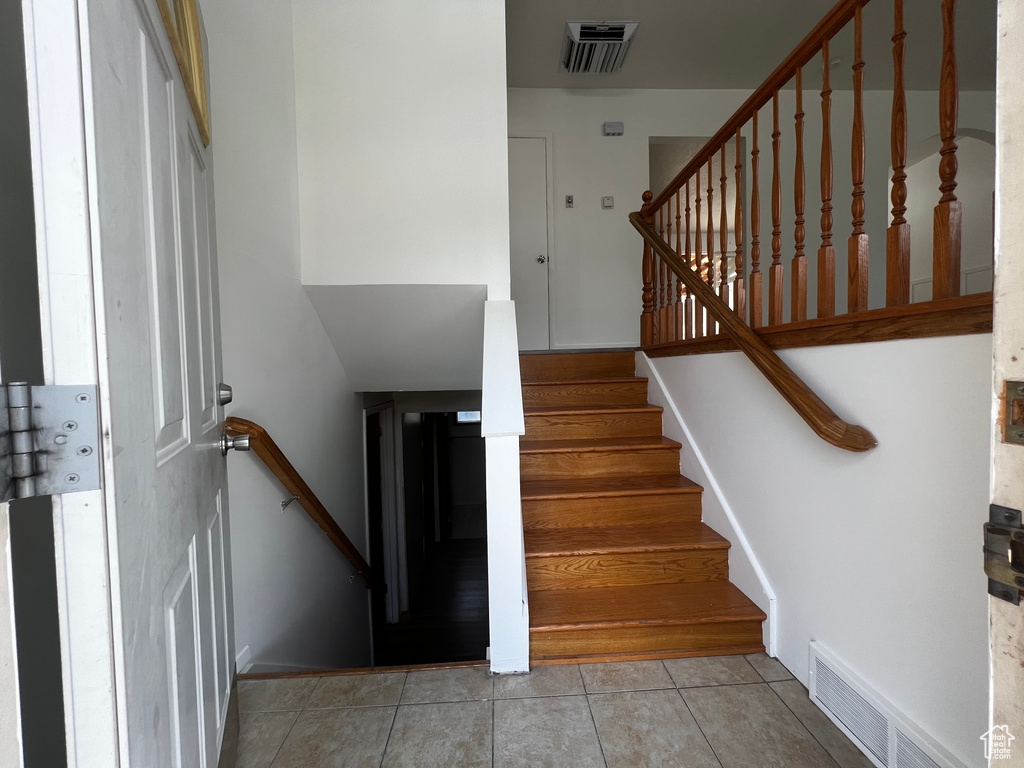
618, 570
587, 426
595, 393
685, 639
612, 510
566, 464
597, 365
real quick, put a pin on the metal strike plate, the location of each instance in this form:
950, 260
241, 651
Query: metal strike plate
1013, 412
1004, 553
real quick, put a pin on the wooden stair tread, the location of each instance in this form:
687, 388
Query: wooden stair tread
588, 410
593, 487
597, 444
577, 382
551, 542
644, 605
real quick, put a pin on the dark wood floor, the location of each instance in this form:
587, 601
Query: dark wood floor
448, 618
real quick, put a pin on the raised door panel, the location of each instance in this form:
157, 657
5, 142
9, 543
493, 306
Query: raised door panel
163, 250
184, 670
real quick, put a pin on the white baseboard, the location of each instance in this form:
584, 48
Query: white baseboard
671, 411
242, 660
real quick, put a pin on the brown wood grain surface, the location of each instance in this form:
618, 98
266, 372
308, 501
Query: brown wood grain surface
811, 408
950, 317
269, 453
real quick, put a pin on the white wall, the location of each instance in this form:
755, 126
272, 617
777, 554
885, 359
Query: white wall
874, 555
293, 602
403, 159
595, 262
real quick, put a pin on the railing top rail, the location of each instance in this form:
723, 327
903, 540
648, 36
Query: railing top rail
811, 408
265, 447
834, 20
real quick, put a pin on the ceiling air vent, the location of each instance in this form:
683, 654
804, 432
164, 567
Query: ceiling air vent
596, 48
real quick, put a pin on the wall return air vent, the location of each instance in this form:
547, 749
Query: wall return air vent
883, 733
596, 47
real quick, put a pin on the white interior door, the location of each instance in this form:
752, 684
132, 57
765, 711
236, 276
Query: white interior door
124, 196
528, 232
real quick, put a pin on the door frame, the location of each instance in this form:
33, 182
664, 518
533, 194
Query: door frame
85, 540
549, 139
1006, 621
390, 517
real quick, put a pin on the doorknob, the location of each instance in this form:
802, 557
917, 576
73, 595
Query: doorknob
541, 259
238, 442
224, 394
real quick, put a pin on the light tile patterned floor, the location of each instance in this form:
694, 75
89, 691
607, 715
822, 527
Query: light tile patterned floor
727, 711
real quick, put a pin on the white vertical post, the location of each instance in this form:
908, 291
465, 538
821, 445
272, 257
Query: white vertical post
502, 424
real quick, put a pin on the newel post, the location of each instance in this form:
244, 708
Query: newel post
647, 316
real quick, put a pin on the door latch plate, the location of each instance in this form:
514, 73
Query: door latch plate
1004, 553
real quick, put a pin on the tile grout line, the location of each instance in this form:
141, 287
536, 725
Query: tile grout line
394, 717
597, 733
802, 723
751, 665
667, 672
700, 727
291, 728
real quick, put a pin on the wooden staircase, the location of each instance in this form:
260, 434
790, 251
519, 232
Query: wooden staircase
618, 562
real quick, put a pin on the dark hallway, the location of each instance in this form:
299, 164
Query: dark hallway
443, 603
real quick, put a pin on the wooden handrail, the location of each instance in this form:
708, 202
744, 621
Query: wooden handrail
834, 21
812, 409
265, 447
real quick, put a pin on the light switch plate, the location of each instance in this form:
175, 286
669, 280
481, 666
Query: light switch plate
568, 201
607, 202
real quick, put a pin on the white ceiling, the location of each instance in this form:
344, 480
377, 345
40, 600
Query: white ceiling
737, 43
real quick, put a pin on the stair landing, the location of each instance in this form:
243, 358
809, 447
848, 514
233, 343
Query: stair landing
619, 564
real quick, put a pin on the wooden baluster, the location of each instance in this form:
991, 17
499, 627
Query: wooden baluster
712, 324
678, 327
669, 322
756, 308
798, 293
647, 315
688, 304
857, 264
897, 239
948, 213
662, 283
738, 286
827, 251
723, 234
698, 264
775, 270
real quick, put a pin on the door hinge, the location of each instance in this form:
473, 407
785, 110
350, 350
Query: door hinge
1004, 553
49, 440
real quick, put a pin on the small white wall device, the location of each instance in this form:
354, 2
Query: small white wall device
612, 129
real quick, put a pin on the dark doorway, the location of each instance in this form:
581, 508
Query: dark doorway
444, 618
